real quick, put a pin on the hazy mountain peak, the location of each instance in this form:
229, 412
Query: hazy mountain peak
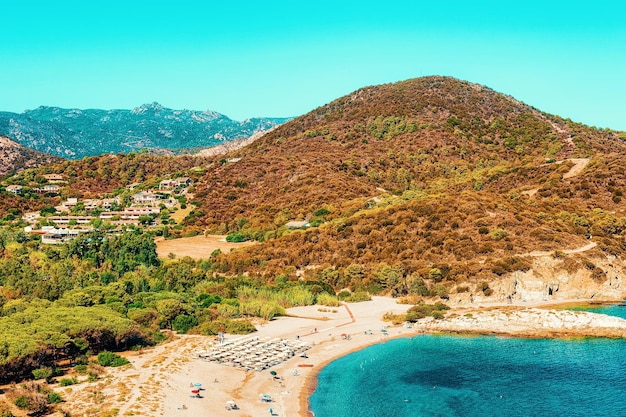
153, 107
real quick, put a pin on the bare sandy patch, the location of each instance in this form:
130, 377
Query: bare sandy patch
197, 247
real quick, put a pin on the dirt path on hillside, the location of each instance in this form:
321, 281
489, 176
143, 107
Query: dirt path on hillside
579, 166
538, 253
579, 163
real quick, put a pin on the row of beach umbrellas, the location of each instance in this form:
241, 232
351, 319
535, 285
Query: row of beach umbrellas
254, 353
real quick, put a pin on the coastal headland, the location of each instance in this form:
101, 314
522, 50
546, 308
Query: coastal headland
159, 381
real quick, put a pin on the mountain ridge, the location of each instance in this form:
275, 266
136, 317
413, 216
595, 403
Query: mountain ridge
351, 141
75, 133
15, 157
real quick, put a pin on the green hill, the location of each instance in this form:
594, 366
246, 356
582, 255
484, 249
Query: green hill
425, 172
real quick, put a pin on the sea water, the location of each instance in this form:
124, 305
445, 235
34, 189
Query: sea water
447, 376
610, 310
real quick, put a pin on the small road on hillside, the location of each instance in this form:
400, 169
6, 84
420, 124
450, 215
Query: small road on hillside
538, 253
579, 165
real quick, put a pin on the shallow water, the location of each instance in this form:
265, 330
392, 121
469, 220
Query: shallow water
476, 376
609, 310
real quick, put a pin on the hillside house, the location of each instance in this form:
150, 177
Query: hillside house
70, 203
178, 182
54, 236
54, 178
48, 189
107, 203
68, 219
183, 182
142, 211
92, 204
14, 189
31, 217
62, 209
131, 213
166, 185
145, 197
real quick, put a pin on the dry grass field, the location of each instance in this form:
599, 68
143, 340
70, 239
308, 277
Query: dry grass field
196, 247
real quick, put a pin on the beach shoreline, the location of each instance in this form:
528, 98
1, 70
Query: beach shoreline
158, 380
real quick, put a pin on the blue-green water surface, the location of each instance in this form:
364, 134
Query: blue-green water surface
609, 310
476, 376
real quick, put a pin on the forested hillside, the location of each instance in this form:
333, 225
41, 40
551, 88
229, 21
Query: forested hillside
420, 135
93, 177
422, 174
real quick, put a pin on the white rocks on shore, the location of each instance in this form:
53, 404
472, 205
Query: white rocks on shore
531, 322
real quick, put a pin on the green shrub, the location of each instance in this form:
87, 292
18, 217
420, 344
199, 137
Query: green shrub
441, 306
437, 315
231, 326
321, 212
42, 373
414, 314
111, 359
343, 295
22, 402
498, 234
64, 382
81, 369
422, 310
328, 300
236, 237
358, 297
54, 398
182, 323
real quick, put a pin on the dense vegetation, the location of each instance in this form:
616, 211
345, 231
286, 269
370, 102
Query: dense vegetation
422, 174
113, 293
425, 136
95, 177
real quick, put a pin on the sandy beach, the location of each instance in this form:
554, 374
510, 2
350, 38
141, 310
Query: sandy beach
159, 381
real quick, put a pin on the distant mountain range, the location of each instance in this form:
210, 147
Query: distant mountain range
74, 133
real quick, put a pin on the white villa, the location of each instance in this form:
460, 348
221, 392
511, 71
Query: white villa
14, 189
145, 197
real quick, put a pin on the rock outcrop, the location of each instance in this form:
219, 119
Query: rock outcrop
530, 322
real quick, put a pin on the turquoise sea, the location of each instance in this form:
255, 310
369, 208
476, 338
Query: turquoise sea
477, 376
611, 310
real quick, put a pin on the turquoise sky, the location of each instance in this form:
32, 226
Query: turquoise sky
273, 58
